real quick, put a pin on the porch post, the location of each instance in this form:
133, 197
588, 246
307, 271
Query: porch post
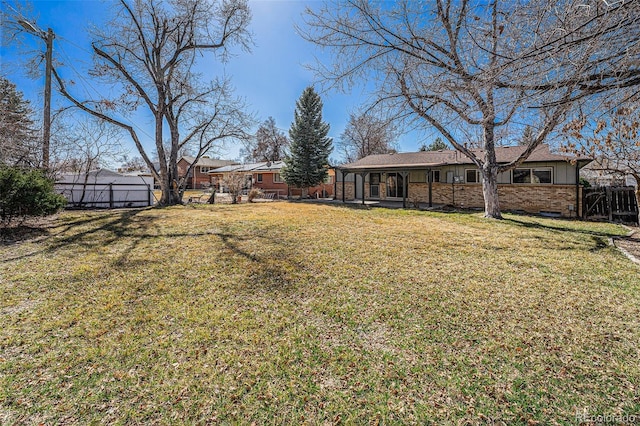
430, 177
344, 177
405, 189
362, 175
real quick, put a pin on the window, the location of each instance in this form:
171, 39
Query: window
435, 176
533, 175
541, 175
205, 169
259, 177
277, 178
472, 176
374, 178
396, 185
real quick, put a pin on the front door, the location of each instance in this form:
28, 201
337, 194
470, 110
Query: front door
374, 185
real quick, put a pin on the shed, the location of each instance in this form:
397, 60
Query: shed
104, 188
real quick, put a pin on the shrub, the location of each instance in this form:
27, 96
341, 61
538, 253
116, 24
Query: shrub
253, 194
25, 193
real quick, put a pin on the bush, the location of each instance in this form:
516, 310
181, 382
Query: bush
253, 194
25, 193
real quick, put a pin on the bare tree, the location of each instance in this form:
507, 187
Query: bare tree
472, 69
148, 52
366, 134
613, 140
133, 164
269, 143
235, 183
83, 146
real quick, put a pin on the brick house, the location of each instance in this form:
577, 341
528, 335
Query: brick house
266, 176
198, 177
546, 182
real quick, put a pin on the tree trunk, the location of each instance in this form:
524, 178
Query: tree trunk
638, 201
489, 171
490, 193
636, 176
170, 191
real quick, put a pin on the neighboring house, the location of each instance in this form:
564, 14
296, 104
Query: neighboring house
544, 183
266, 176
105, 189
199, 176
600, 173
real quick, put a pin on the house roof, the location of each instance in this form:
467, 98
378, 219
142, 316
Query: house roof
266, 166
208, 162
447, 157
103, 173
609, 165
103, 176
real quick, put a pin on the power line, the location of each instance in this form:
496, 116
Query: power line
88, 85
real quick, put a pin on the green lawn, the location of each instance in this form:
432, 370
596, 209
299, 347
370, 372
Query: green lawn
305, 313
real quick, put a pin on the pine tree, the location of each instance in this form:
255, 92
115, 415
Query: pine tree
436, 145
310, 147
18, 144
527, 136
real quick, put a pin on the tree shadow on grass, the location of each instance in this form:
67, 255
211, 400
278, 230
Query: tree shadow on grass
396, 205
275, 270
559, 225
20, 233
123, 224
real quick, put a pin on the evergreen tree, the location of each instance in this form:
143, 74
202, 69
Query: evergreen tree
436, 145
18, 141
310, 147
527, 136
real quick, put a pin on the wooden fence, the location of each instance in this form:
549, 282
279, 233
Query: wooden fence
610, 203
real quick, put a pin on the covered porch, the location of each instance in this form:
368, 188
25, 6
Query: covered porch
381, 186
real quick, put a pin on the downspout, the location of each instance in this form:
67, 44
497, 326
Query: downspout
430, 177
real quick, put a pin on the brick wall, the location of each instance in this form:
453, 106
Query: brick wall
348, 191
200, 178
530, 198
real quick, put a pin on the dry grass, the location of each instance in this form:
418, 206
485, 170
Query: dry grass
294, 313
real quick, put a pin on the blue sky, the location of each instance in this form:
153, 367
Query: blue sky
270, 78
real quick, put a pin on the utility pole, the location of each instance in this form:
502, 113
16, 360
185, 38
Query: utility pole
46, 122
